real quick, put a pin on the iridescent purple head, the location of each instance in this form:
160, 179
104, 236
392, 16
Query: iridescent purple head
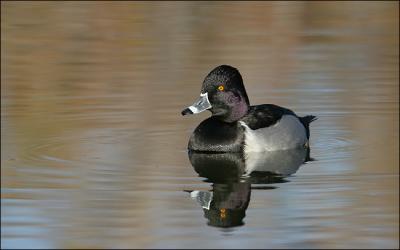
222, 93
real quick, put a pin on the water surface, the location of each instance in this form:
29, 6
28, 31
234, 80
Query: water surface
93, 146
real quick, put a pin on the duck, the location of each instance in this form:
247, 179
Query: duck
237, 126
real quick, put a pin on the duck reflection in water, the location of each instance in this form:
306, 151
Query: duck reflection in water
232, 176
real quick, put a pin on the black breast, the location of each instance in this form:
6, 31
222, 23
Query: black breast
213, 135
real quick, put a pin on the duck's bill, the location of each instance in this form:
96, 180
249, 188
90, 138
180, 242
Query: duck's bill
199, 106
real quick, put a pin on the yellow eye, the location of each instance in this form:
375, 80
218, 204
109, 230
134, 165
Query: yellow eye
220, 88
222, 213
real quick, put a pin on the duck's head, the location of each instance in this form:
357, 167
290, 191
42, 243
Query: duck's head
222, 93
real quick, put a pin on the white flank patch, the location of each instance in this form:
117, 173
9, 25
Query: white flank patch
287, 133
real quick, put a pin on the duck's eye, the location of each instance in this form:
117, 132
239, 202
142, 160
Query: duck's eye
220, 87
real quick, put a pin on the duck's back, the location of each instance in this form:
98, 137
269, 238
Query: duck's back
265, 115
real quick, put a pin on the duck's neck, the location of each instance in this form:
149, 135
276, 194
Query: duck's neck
237, 111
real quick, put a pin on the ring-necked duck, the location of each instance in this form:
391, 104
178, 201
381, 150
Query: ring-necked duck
235, 126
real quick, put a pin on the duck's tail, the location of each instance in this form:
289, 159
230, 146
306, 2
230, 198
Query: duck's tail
306, 120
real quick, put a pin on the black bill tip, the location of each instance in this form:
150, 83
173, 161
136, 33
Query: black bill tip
186, 111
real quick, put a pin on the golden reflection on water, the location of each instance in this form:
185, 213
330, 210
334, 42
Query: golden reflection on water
93, 144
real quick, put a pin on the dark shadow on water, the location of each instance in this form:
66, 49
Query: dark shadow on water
234, 175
